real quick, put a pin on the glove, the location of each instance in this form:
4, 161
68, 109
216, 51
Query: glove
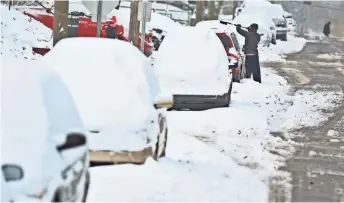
238, 25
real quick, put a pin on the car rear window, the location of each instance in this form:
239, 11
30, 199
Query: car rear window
226, 41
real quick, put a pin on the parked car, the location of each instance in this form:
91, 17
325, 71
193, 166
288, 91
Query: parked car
194, 69
118, 96
231, 45
265, 12
267, 34
290, 22
81, 25
45, 157
277, 12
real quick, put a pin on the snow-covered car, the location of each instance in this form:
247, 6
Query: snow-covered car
277, 13
245, 20
290, 22
231, 45
265, 12
194, 69
44, 151
118, 96
257, 10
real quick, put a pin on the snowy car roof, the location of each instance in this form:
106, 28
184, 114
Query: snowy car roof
106, 77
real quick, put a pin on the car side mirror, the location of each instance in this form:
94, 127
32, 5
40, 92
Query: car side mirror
163, 102
12, 172
72, 140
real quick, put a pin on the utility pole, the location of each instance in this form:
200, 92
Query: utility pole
99, 13
212, 12
199, 11
60, 20
134, 25
143, 27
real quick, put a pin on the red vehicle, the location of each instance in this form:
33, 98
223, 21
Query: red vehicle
86, 28
234, 53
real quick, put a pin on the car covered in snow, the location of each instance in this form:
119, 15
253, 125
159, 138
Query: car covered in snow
231, 45
45, 157
118, 96
290, 22
194, 69
265, 13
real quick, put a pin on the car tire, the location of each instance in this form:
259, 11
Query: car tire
87, 186
274, 41
57, 197
285, 38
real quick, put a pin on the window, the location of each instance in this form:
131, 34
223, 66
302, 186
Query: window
226, 41
235, 41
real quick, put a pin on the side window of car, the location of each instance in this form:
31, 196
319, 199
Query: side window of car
235, 41
61, 110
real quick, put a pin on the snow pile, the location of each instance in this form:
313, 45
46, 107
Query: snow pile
274, 52
192, 172
329, 57
106, 84
19, 33
184, 64
157, 21
307, 107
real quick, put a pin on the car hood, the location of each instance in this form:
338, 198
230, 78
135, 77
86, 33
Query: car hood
132, 136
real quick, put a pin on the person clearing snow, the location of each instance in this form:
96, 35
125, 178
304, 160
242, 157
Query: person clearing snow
327, 29
252, 38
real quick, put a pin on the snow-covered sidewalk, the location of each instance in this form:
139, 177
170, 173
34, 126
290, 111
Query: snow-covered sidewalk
220, 154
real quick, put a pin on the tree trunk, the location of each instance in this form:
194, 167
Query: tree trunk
212, 15
235, 6
134, 25
60, 20
199, 11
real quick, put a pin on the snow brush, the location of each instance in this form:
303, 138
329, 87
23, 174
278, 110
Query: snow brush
229, 23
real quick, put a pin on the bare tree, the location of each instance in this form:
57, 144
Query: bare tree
199, 11
212, 11
134, 25
60, 20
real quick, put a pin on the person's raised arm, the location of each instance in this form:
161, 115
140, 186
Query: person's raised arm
241, 31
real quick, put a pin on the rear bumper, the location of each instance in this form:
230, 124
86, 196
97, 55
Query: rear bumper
199, 102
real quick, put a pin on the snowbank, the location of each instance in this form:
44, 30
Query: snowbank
274, 52
329, 57
20, 33
184, 64
192, 172
106, 78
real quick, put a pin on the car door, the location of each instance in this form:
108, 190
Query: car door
64, 118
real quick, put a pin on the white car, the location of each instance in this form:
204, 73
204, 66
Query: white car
118, 96
290, 22
266, 12
267, 30
44, 151
192, 65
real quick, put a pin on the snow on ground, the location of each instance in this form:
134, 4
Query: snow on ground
329, 57
274, 52
19, 33
191, 172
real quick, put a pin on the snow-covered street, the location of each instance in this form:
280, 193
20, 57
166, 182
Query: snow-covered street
247, 151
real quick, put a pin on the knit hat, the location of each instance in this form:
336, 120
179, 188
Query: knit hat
254, 26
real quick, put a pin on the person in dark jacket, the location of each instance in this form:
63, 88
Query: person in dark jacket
111, 31
327, 29
252, 38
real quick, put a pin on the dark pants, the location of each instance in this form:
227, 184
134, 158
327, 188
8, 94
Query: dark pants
253, 67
